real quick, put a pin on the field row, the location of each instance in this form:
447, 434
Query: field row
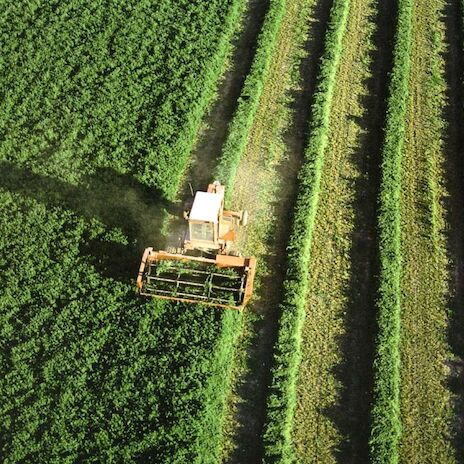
265, 186
282, 401
385, 416
333, 386
319, 402
412, 414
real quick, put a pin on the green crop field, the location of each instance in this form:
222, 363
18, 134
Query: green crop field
338, 125
99, 110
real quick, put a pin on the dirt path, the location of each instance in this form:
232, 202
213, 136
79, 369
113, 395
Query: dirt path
425, 400
266, 187
335, 380
454, 170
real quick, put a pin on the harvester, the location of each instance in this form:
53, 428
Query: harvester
204, 268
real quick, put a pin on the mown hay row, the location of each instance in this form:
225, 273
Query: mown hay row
281, 403
386, 427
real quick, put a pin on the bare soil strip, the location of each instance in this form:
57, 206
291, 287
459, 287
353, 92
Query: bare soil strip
454, 170
265, 186
334, 387
425, 400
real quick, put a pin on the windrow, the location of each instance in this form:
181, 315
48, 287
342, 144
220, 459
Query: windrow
282, 399
412, 413
386, 427
425, 397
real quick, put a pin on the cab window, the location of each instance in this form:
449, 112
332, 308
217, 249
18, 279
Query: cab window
201, 231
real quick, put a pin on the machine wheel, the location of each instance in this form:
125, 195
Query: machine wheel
236, 253
174, 250
244, 218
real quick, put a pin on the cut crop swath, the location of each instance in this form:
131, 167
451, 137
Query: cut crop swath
281, 403
386, 426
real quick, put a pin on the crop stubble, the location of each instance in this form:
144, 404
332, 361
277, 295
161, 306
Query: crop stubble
425, 400
265, 187
317, 434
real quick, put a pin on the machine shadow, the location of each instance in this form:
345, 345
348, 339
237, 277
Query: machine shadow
116, 200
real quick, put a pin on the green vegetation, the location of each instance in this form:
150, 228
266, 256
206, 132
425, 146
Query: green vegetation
412, 412
266, 173
102, 106
282, 399
426, 403
87, 371
386, 426
241, 124
333, 383
122, 95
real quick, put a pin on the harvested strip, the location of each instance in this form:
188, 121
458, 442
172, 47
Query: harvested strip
241, 124
425, 400
265, 186
386, 427
282, 399
320, 414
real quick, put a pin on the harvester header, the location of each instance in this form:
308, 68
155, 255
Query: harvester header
226, 281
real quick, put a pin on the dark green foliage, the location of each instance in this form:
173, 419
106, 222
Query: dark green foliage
282, 399
88, 372
386, 426
113, 84
100, 105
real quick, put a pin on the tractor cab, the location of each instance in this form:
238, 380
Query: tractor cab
210, 228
